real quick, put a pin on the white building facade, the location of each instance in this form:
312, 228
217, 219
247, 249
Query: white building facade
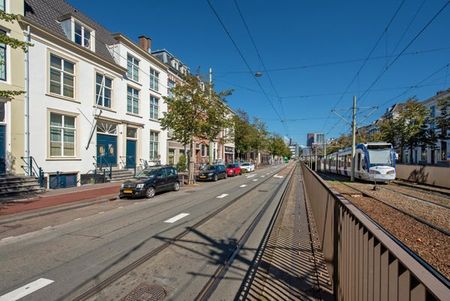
95, 97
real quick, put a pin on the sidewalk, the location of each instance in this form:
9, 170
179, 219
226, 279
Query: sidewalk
54, 198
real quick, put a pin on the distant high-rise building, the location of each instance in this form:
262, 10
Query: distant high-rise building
315, 138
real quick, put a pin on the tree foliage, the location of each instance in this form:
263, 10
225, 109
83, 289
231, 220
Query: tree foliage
195, 110
13, 43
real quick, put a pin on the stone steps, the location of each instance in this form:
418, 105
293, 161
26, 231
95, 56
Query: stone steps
18, 186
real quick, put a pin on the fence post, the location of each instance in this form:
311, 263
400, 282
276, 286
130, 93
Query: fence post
30, 166
41, 177
110, 172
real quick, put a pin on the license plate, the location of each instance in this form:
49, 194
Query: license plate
202, 177
127, 191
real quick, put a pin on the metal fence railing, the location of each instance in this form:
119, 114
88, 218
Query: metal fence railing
367, 263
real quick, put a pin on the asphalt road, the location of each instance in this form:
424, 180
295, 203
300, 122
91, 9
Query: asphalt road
59, 256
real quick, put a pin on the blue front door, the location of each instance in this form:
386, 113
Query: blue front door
106, 150
2, 149
131, 153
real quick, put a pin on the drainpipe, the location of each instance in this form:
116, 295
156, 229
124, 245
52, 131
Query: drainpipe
27, 99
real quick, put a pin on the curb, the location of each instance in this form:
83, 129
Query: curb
55, 209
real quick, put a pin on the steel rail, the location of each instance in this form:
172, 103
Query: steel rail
419, 186
133, 265
417, 218
209, 288
418, 198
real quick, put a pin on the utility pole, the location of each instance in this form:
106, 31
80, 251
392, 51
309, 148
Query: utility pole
353, 138
211, 143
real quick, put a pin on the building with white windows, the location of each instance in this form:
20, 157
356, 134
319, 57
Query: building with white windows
96, 97
12, 110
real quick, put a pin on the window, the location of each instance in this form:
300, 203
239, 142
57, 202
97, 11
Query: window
3, 58
154, 145
154, 79
131, 132
170, 86
2, 112
154, 107
62, 76
103, 90
132, 68
133, 101
2, 5
62, 135
82, 35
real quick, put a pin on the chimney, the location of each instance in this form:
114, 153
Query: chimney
145, 43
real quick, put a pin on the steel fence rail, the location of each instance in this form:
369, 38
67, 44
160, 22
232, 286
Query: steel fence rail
366, 262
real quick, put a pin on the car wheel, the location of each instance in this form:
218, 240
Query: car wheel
176, 186
150, 192
215, 178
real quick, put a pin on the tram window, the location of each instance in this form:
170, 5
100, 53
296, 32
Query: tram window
359, 161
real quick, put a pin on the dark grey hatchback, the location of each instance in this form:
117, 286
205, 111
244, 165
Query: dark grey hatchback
150, 181
213, 172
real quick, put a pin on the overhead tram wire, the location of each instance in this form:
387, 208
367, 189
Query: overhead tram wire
404, 49
245, 61
367, 58
260, 57
340, 62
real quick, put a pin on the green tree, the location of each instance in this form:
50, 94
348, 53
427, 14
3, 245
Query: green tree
443, 125
242, 133
193, 113
13, 43
406, 129
259, 137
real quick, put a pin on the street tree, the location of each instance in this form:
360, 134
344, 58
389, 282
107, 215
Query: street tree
259, 137
242, 133
443, 125
193, 112
406, 129
13, 43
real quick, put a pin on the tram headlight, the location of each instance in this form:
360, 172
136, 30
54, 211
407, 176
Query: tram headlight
391, 172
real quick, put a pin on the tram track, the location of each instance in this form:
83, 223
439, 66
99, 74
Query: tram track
93, 291
411, 215
435, 203
209, 288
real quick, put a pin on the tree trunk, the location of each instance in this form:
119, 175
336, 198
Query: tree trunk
191, 163
411, 154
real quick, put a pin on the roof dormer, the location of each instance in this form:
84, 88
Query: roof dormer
79, 33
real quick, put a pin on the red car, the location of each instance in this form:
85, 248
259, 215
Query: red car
233, 169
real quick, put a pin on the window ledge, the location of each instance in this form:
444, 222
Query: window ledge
134, 82
154, 120
132, 114
104, 108
63, 159
155, 91
63, 97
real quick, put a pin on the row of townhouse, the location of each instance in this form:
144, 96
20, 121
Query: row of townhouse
437, 154
93, 98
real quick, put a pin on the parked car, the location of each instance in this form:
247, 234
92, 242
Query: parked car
233, 169
150, 181
212, 172
248, 166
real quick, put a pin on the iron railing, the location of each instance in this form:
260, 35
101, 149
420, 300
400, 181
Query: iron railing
32, 169
365, 261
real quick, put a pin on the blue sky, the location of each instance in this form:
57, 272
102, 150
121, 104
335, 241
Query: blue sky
312, 50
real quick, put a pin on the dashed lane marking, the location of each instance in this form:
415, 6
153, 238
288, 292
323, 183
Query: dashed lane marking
46, 228
222, 196
77, 219
254, 180
243, 185
26, 289
278, 176
176, 217
7, 238
101, 212
251, 176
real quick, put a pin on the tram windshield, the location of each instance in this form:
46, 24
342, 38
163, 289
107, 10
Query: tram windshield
379, 157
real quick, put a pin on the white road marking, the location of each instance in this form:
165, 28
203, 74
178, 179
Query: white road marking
77, 219
222, 196
46, 228
120, 207
101, 212
254, 180
263, 176
251, 176
243, 185
176, 217
277, 176
26, 289
7, 238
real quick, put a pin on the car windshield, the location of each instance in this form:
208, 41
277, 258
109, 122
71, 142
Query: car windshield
211, 167
148, 173
245, 164
230, 166
379, 157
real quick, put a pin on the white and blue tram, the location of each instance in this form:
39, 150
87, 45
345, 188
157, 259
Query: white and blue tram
375, 161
